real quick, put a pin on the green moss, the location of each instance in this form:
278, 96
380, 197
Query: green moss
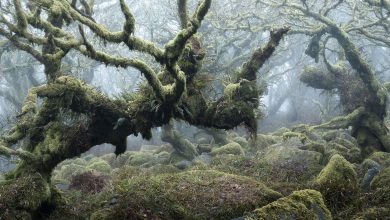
305, 204
373, 214
263, 141
197, 194
242, 141
66, 172
316, 78
382, 180
337, 182
21, 195
231, 148
100, 166
231, 90
382, 158
109, 158
369, 164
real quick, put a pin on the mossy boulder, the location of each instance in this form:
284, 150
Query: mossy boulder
345, 148
99, 165
382, 158
109, 158
196, 194
296, 163
65, 173
382, 180
375, 213
264, 141
337, 182
305, 204
231, 148
242, 141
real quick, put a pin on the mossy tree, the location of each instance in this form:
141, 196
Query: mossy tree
74, 117
363, 97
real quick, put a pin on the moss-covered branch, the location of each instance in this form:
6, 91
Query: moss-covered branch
379, 3
182, 10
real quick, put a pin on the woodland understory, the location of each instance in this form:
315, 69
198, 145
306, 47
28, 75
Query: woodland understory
338, 168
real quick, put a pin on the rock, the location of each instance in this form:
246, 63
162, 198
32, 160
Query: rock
204, 158
368, 177
203, 140
382, 180
109, 158
195, 194
382, 158
99, 165
263, 141
345, 148
65, 173
182, 165
231, 148
337, 182
305, 204
374, 214
369, 164
242, 141
204, 148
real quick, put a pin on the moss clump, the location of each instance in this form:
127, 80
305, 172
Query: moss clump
242, 141
231, 148
337, 182
109, 158
374, 214
316, 78
65, 173
21, 195
382, 180
345, 148
197, 194
100, 166
263, 141
305, 204
382, 158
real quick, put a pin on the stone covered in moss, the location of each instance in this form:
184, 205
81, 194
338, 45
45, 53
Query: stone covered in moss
337, 182
63, 174
264, 141
345, 148
197, 194
375, 213
382, 158
231, 148
109, 158
305, 204
242, 141
99, 165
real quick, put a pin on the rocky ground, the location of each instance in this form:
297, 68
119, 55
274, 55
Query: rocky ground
283, 175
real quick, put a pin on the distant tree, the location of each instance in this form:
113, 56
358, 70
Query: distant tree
363, 97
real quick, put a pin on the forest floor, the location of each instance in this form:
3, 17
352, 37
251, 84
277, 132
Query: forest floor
319, 175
